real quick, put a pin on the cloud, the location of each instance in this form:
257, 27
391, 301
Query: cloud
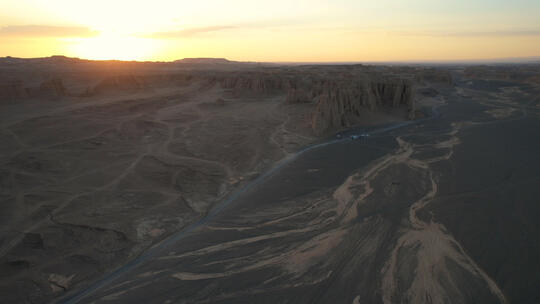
280, 23
46, 31
190, 32
498, 33
501, 33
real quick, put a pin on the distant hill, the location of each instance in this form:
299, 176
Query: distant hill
64, 59
204, 61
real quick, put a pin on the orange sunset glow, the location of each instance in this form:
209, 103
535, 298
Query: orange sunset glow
277, 31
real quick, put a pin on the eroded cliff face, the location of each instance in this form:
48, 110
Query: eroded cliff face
52, 88
17, 89
340, 106
255, 83
298, 95
339, 99
338, 96
12, 90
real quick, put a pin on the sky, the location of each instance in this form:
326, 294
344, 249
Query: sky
272, 31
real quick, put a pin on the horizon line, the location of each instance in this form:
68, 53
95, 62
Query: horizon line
524, 59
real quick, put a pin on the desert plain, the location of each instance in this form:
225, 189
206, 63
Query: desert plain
212, 181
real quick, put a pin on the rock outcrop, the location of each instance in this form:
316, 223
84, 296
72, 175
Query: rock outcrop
52, 88
339, 99
12, 90
340, 106
298, 95
119, 82
340, 95
436, 76
16, 89
255, 83
136, 82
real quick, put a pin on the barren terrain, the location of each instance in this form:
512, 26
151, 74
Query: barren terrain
215, 181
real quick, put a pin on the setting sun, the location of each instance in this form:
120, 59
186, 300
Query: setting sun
277, 31
118, 47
